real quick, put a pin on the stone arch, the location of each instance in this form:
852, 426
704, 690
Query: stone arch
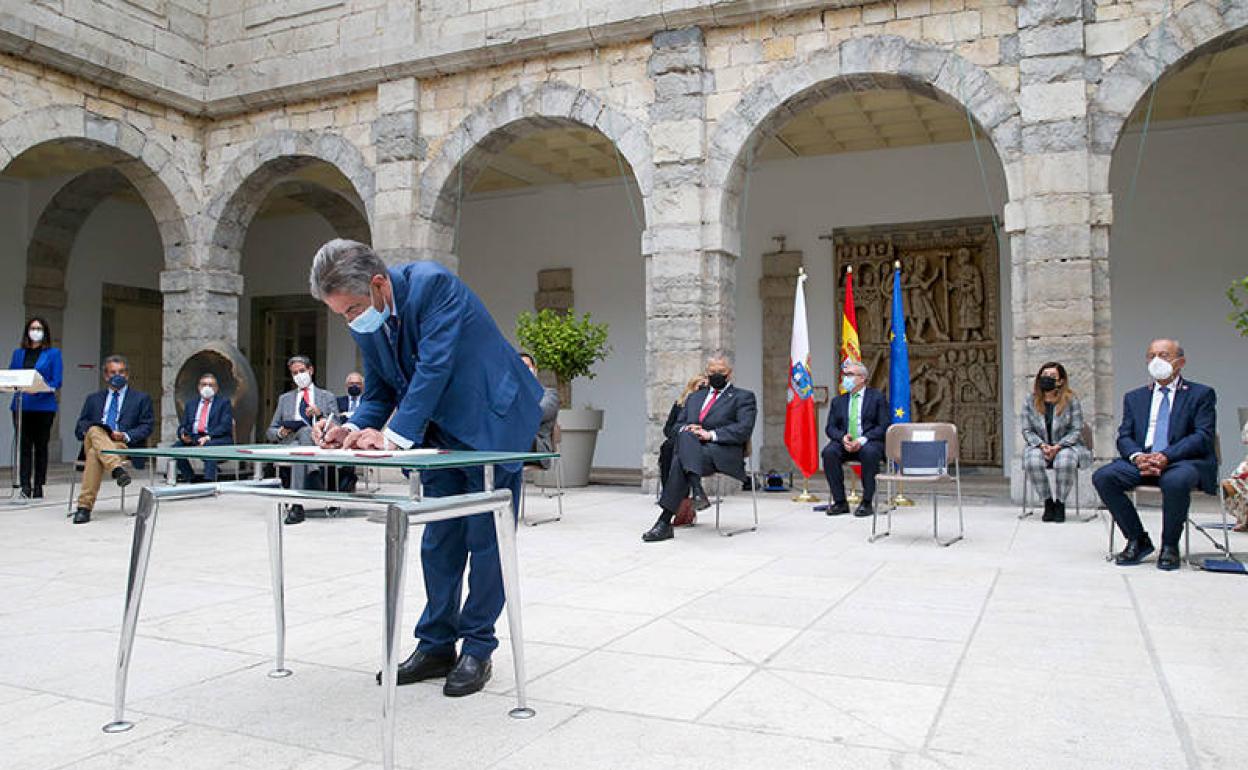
268, 162
54, 235
512, 115
879, 61
341, 213
145, 162
1203, 27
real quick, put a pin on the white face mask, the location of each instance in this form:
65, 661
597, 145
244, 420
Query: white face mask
1160, 369
36, 335
303, 380
207, 392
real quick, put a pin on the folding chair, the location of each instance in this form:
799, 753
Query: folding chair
1085, 435
1155, 492
556, 465
898, 433
751, 473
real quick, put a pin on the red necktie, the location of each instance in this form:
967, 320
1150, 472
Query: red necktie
707, 406
201, 423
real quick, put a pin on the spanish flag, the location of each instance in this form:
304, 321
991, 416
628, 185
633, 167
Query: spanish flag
849, 324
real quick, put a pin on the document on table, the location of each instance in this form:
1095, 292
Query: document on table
340, 454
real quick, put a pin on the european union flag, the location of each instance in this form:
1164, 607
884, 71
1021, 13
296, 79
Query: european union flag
898, 356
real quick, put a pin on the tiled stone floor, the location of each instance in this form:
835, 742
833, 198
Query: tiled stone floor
799, 646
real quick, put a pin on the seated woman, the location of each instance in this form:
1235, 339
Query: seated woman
1052, 423
1235, 491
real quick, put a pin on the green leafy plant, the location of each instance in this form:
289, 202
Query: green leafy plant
562, 344
1239, 318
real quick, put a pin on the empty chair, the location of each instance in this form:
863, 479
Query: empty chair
936, 431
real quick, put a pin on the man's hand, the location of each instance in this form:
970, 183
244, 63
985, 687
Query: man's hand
334, 437
283, 432
186, 439
702, 433
119, 436
313, 412
850, 444
368, 438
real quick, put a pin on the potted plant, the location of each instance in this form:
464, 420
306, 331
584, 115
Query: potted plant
568, 347
1237, 293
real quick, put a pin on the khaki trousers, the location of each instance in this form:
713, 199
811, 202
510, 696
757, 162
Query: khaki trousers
97, 464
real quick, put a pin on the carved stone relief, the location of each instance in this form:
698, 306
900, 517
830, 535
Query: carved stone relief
950, 273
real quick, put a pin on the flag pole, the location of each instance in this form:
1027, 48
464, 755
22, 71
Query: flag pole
900, 500
804, 496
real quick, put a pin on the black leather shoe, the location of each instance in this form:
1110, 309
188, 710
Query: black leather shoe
660, 531
1169, 559
864, 509
1048, 510
420, 666
1135, 552
37, 491
838, 509
121, 477
1059, 511
26, 491
700, 501
82, 516
468, 676
294, 514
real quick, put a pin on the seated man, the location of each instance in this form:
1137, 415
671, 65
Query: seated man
347, 477
544, 441
1165, 439
206, 421
113, 418
857, 422
292, 423
711, 432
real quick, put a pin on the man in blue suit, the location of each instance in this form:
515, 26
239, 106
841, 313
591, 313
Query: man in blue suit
206, 421
1165, 439
114, 418
857, 422
437, 373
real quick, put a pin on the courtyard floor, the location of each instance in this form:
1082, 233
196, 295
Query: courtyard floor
798, 646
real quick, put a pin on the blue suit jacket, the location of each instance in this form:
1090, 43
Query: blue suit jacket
136, 418
51, 367
220, 419
1193, 420
873, 419
452, 367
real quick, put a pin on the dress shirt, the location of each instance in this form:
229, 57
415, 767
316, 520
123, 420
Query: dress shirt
120, 395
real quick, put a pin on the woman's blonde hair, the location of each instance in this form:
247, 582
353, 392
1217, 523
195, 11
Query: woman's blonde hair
1064, 393
696, 383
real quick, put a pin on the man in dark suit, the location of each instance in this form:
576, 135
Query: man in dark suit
345, 478
114, 418
437, 373
1166, 439
206, 421
857, 422
711, 433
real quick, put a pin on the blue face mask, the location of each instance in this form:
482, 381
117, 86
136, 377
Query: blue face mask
118, 381
371, 319
848, 383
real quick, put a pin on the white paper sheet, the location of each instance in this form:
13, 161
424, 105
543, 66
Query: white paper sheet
923, 435
339, 454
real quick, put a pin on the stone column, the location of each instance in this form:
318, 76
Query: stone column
200, 306
776, 289
689, 291
1061, 300
400, 151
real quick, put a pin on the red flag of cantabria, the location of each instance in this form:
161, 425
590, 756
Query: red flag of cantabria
801, 435
849, 324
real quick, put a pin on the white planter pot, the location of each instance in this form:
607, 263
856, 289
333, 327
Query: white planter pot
579, 429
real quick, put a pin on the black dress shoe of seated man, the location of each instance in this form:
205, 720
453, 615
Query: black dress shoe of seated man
82, 516
838, 509
1135, 552
700, 501
468, 676
121, 477
294, 514
420, 666
1169, 560
660, 531
864, 510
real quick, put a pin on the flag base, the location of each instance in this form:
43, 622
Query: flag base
901, 501
805, 496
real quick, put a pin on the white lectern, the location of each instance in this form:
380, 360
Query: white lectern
21, 382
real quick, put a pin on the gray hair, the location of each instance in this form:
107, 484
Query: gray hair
343, 266
856, 366
116, 358
298, 360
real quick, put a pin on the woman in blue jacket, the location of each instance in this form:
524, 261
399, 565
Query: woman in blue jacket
38, 409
